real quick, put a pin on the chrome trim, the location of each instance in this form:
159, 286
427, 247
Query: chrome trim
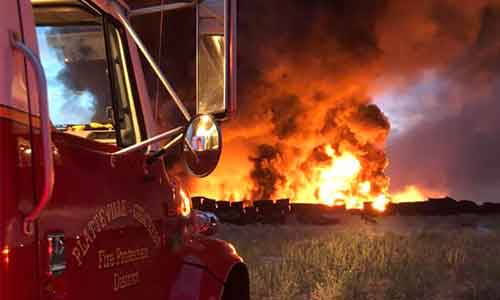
197, 62
55, 2
165, 148
173, 142
231, 31
152, 63
230, 22
213, 14
160, 8
148, 142
45, 132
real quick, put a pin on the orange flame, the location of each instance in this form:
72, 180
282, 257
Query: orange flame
336, 181
339, 182
409, 194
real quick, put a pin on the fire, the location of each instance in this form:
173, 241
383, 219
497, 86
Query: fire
380, 203
336, 178
338, 182
334, 182
410, 194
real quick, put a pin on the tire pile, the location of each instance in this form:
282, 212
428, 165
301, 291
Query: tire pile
282, 211
442, 207
277, 212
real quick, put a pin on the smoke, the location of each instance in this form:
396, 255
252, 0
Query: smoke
302, 85
81, 90
451, 143
265, 173
455, 148
313, 73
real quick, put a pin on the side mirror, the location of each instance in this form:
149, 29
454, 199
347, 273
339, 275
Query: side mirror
216, 57
202, 145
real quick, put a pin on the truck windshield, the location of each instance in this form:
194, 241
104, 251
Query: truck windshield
74, 59
89, 85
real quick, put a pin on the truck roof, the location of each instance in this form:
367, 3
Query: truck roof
36, 2
74, 2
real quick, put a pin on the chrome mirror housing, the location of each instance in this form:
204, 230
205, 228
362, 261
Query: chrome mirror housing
202, 145
216, 57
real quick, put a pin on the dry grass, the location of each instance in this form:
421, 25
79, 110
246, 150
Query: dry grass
399, 258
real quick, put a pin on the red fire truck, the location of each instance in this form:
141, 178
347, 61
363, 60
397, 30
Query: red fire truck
88, 209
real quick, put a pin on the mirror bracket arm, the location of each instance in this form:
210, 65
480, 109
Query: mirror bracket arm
150, 141
128, 27
161, 8
164, 149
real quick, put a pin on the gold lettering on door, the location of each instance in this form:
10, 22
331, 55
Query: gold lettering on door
101, 219
123, 280
113, 258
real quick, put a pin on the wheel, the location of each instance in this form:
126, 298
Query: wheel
237, 286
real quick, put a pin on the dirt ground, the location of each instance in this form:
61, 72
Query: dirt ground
392, 257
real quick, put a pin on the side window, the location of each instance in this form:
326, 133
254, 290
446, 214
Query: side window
90, 93
175, 52
125, 113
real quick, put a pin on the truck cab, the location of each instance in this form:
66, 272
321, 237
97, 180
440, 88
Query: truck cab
88, 208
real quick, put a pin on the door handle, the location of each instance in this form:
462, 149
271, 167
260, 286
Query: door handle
48, 163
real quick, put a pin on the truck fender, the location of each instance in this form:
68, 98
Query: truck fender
213, 269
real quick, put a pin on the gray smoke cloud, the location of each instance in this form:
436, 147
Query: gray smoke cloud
454, 148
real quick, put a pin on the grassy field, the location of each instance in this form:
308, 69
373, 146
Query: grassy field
397, 258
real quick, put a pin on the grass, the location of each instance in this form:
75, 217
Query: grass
440, 261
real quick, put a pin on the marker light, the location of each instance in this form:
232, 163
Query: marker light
5, 254
185, 204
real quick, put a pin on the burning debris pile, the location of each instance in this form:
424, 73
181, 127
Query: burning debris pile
343, 170
308, 128
346, 167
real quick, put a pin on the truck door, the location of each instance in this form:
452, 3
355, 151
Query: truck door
17, 117
101, 235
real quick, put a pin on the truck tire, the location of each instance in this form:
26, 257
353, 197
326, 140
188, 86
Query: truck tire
237, 286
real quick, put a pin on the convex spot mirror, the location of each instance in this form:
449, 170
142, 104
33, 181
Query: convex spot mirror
216, 57
202, 145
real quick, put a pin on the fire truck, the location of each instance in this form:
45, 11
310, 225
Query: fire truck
88, 206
